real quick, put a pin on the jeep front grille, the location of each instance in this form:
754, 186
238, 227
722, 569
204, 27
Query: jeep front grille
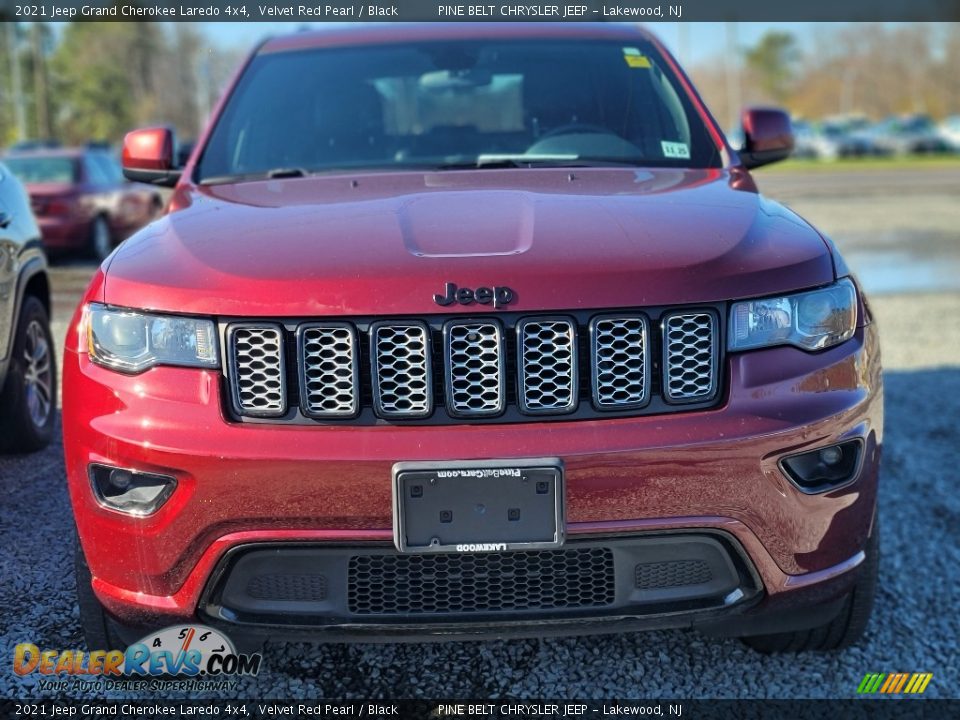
475, 368
547, 356
327, 354
690, 356
621, 360
257, 368
507, 368
401, 369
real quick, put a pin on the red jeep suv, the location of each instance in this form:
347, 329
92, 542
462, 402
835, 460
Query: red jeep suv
469, 330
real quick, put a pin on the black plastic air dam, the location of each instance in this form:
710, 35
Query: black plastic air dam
314, 585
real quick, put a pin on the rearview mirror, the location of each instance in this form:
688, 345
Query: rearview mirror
148, 156
767, 136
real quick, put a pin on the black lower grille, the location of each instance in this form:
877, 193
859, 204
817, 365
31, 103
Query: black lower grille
288, 587
492, 582
651, 576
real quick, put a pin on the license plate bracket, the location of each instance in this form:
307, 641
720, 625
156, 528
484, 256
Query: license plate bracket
478, 505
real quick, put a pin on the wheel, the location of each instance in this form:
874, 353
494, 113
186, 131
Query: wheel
98, 629
28, 399
101, 242
846, 628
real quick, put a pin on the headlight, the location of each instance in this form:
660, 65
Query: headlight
132, 341
811, 320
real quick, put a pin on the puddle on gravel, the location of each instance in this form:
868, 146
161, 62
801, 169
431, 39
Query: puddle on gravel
894, 271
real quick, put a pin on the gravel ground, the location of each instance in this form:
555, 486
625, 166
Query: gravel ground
914, 628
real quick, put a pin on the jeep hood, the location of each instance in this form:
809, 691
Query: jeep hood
385, 243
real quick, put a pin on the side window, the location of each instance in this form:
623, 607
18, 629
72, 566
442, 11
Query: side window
95, 172
109, 167
102, 170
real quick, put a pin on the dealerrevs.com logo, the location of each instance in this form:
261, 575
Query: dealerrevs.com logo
178, 652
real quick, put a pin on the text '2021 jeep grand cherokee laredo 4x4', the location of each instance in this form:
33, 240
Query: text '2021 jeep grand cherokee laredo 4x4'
463, 330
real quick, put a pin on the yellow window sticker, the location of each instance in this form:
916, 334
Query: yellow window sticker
635, 59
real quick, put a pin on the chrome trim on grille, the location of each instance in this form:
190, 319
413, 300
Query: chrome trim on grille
690, 353
328, 361
256, 367
547, 369
620, 361
475, 369
400, 369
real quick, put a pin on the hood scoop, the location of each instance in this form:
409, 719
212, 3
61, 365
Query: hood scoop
455, 224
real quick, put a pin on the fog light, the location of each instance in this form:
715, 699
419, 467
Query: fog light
120, 479
130, 491
831, 455
825, 468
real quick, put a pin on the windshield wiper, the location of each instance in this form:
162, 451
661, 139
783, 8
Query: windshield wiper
506, 161
529, 161
286, 172
274, 174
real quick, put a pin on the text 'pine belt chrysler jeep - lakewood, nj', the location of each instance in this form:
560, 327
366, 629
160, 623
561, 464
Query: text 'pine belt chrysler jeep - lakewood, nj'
466, 330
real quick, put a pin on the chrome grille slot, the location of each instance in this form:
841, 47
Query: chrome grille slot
329, 370
400, 368
547, 365
690, 357
474, 368
621, 362
490, 368
257, 369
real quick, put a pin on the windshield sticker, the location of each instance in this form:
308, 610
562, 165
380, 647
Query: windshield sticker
635, 59
676, 150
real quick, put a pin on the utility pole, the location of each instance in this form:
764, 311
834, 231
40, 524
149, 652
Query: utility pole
40, 97
20, 118
734, 98
683, 43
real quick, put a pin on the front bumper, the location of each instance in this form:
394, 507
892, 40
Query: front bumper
716, 470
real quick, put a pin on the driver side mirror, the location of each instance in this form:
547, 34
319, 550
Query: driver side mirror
767, 136
149, 157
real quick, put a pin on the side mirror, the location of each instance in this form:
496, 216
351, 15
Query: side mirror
148, 156
767, 136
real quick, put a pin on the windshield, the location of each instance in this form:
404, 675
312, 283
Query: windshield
456, 104
43, 169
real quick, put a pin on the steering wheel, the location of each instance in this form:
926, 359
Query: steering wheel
572, 128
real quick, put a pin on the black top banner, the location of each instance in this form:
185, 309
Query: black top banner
501, 709
648, 11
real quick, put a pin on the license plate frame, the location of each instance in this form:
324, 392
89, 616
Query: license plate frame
493, 505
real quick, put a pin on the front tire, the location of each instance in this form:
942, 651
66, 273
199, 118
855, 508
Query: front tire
846, 628
28, 400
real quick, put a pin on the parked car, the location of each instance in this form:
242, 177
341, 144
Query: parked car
81, 198
950, 131
459, 330
845, 138
910, 134
804, 140
28, 376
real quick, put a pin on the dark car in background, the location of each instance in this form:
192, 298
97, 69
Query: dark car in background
28, 377
81, 199
910, 135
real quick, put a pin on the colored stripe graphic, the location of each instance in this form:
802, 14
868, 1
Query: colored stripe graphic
894, 683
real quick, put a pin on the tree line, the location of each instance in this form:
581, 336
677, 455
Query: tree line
872, 69
96, 81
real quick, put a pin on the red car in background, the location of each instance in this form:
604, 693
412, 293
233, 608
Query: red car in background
81, 199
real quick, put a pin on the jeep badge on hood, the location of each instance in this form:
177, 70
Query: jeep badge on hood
498, 295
